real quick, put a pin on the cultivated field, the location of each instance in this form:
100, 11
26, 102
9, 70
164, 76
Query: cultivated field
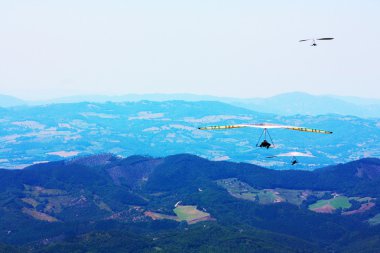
330, 205
190, 214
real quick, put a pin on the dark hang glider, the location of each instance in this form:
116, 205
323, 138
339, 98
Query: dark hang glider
314, 43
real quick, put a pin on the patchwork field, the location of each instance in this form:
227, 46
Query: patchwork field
330, 205
39, 215
242, 190
190, 214
160, 216
47, 204
363, 208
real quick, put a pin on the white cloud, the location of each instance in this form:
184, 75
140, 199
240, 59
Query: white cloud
63, 153
100, 115
182, 127
29, 124
215, 118
152, 129
146, 115
221, 158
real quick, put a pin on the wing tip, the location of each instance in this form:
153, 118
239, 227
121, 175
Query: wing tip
328, 38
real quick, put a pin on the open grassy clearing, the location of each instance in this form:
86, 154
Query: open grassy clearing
340, 202
374, 220
188, 213
268, 196
40, 191
160, 216
38, 215
337, 202
34, 203
319, 204
362, 200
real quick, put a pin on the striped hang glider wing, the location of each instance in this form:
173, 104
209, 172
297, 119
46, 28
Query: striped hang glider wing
266, 126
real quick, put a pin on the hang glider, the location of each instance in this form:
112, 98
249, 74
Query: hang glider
314, 43
265, 127
293, 155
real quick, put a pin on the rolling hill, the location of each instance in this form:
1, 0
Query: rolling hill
156, 203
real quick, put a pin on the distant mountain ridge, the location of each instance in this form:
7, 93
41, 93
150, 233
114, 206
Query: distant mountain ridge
306, 104
9, 101
283, 104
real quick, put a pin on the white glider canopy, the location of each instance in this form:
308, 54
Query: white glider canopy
293, 154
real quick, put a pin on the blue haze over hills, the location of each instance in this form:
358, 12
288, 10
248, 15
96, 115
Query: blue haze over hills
9, 101
283, 104
50, 132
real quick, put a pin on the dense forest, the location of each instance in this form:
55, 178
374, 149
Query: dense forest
184, 203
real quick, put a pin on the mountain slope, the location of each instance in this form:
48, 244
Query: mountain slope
76, 202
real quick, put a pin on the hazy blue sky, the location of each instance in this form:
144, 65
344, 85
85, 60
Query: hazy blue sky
241, 48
